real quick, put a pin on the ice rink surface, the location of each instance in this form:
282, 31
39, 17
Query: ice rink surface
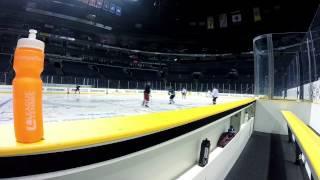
76, 107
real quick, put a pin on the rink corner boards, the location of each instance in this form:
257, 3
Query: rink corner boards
83, 142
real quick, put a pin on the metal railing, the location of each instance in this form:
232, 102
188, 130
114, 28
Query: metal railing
232, 88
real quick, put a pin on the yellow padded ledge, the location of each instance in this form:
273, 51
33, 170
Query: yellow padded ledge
61, 136
308, 140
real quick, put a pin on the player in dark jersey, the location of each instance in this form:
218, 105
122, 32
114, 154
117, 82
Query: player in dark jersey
77, 89
146, 94
172, 94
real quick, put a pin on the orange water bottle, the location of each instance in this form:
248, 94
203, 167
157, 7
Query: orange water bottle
27, 89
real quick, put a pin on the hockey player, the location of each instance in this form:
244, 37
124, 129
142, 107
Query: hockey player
172, 94
146, 94
215, 94
77, 89
209, 94
184, 93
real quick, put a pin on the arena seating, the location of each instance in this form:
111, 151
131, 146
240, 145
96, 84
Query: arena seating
6, 63
69, 61
78, 70
49, 68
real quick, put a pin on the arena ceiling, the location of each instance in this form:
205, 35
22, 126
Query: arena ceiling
216, 26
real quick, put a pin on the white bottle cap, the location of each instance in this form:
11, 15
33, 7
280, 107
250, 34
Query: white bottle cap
31, 41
